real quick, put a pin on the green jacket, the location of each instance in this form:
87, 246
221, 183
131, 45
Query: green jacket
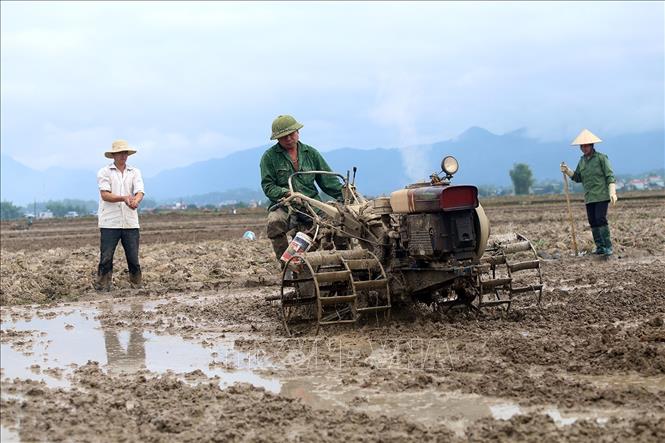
595, 174
276, 168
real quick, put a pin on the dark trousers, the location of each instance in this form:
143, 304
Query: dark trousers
597, 214
109, 241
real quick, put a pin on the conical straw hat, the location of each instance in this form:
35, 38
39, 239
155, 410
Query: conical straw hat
585, 137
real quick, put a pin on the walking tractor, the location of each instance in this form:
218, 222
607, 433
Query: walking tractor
428, 243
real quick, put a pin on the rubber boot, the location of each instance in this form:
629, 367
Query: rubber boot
598, 240
607, 242
103, 282
136, 280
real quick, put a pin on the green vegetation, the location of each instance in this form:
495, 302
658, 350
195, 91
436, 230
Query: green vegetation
60, 208
8, 211
522, 178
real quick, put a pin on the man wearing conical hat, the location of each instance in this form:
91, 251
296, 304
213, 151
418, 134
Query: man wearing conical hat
595, 173
287, 156
120, 193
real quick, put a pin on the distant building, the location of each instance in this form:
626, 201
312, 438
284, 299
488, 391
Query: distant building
655, 182
71, 214
636, 185
45, 214
547, 188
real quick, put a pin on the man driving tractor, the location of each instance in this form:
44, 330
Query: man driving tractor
287, 156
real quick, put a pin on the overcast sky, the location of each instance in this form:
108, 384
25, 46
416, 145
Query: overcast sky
185, 82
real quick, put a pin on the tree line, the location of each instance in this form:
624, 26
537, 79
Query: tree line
520, 175
59, 208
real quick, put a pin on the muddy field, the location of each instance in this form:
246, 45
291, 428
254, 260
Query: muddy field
198, 354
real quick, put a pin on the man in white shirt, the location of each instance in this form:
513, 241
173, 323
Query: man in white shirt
121, 191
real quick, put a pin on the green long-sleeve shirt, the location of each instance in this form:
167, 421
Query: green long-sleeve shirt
276, 168
595, 174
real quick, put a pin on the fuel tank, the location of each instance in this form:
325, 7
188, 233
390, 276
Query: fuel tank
434, 199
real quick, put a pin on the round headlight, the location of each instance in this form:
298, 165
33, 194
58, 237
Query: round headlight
449, 165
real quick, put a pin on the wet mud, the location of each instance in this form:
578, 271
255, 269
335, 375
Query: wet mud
198, 354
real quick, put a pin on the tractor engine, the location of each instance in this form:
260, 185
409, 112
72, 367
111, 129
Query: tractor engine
437, 222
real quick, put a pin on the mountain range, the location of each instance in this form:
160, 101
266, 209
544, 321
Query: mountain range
485, 159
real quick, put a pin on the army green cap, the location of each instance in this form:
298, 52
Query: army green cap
284, 125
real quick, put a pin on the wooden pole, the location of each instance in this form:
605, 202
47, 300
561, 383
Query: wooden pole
570, 213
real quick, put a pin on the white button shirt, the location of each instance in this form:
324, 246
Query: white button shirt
118, 215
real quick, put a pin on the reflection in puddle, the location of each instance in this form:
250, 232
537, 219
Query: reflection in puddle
599, 416
558, 418
127, 355
53, 345
504, 411
8, 436
66, 339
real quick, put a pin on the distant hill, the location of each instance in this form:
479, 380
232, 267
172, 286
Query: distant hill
485, 159
23, 185
237, 170
241, 170
226, 197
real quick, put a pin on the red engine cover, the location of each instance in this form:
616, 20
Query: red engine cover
458, 197
442, 198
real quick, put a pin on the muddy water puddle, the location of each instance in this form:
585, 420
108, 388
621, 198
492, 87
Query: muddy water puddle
430, 407
456, 410
48, 344
8, 436
53, 343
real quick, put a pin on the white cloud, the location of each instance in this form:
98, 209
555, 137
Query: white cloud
55, 146
62, 147
167, 150
200, 78
44, 43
